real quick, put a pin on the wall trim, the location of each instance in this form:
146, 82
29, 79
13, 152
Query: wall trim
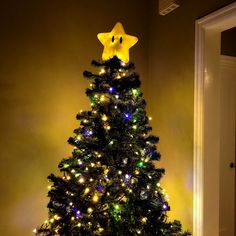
217, 21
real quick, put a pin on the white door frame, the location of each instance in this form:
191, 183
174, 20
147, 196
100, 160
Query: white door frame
206, 133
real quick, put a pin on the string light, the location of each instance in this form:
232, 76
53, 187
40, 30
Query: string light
107, 127
86, 191
144, 220
102, 71
135, 92
140, 164
95, 198
104, 118
102, 98
81, 180
89, 210
78, 213
111, 89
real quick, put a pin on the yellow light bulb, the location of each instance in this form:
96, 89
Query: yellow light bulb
144, 219
104, 118
81, 180
89, 210
108, 127
102, 71
86, 191
102, 98
150, 118
95, 198
134, 126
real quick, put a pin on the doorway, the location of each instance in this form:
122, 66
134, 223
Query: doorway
210, 97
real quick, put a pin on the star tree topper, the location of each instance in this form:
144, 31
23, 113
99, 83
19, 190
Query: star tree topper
117, 43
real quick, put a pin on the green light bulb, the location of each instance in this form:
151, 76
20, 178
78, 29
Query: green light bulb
140, 164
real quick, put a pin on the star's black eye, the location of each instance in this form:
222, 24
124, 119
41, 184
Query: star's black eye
113, 39
121, 40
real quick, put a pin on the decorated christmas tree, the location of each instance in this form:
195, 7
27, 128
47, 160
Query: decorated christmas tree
110, 185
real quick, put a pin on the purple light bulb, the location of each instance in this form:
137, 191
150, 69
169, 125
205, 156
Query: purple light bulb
111, 89
78, 213
100, 188
127, 116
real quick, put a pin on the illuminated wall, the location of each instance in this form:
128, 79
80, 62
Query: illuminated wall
171, 95
44, 48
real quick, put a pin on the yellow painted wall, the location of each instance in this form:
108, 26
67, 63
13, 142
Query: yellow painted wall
170, 89
44, 48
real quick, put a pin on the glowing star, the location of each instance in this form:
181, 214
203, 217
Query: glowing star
117, 43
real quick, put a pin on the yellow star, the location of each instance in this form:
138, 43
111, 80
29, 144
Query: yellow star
117, 43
